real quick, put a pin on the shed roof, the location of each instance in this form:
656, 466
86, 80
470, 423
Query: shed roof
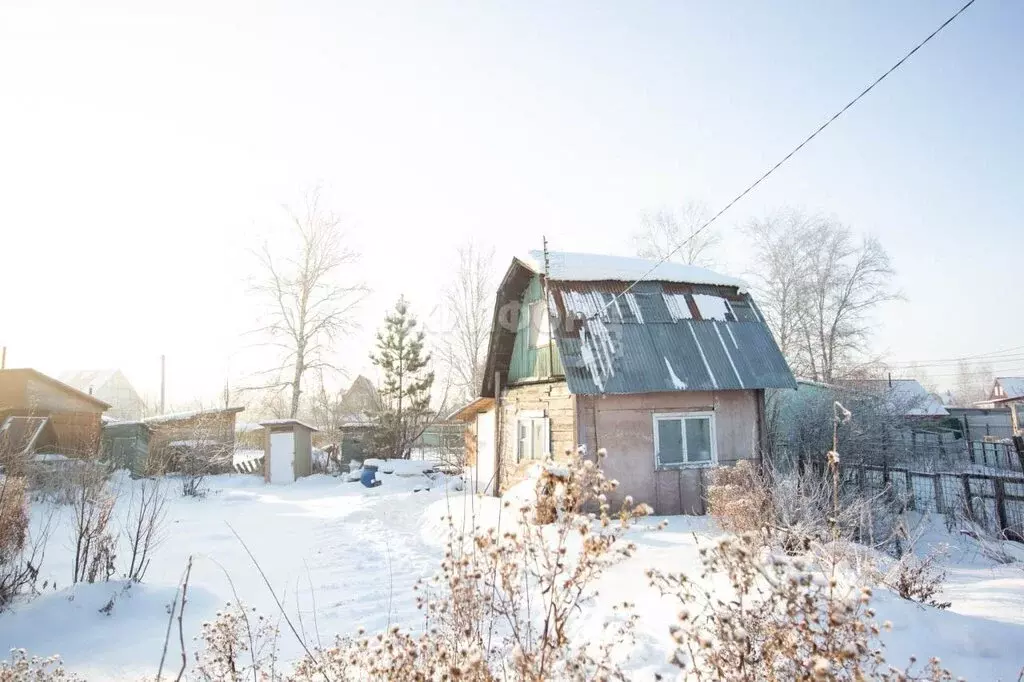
469, 411
182, 416
271, 423
22, 375
907, 396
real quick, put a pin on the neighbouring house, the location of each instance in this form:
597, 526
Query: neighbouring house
74, 418
981, 423
667, 375
112, 387
356, 419
1008, 393
904, 397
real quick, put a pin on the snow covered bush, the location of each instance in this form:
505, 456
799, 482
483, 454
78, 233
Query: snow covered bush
777, 618
92, 506
239, 644
144, 524
16, 571
21, 668
739, 499
919, 578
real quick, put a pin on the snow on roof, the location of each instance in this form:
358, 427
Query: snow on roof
1013, 387
906, 395
587, 267
178, 416
287, 422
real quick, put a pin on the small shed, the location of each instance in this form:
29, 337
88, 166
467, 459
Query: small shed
289, 450
126, 445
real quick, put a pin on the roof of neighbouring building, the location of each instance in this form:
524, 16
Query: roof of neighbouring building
85, 379
22, 374
681, 329
908, 396
273, 423
183, 416
1013, 387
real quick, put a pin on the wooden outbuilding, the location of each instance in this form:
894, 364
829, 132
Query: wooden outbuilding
75, 417
289, 450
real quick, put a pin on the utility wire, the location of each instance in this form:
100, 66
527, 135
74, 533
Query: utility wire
991, 355
788, 156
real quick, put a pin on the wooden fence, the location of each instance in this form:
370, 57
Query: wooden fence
994, 502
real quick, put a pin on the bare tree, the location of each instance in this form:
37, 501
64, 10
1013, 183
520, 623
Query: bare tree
468, 301
973, 382
145, 524
308, 308
661, 232
325, 405
819, 287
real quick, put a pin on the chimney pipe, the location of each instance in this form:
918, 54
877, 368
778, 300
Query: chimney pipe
3, 358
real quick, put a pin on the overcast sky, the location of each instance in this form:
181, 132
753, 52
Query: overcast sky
146, 146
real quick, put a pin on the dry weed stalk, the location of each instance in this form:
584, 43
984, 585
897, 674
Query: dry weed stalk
21, 668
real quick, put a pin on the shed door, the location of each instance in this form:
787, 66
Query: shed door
282, 457
485, 456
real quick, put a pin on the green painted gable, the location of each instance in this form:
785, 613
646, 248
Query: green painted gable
532, 363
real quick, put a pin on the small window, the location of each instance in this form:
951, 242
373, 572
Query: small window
684, 439
533, 439
540, 325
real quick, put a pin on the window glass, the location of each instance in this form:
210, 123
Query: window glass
670, 441
698, 440
524, 440
539, 449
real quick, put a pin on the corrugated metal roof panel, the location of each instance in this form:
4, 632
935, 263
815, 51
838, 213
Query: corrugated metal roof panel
611, 352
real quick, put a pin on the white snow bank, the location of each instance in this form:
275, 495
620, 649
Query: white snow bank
588, 267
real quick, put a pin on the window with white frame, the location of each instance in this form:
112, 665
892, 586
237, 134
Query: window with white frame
533, 436
684, 439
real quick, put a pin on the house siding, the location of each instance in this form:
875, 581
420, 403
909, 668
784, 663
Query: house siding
76, 421
558, 405
623, 426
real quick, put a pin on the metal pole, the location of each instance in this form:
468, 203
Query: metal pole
163, 375
3, 358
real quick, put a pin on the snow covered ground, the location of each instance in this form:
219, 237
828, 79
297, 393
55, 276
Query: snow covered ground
343, 556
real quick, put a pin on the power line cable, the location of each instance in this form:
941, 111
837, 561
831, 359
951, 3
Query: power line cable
787, 157
994, 355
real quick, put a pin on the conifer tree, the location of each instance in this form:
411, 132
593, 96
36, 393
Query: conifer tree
405, 394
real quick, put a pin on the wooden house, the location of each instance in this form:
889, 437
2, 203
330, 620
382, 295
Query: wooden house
667, 375
75, 417
110, 386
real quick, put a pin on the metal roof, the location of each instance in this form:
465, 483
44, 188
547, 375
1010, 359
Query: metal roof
653, 339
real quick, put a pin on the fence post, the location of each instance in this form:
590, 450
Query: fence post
968, 506
911, 503
997, 486
940, 504
970, 450
1018, 445
861, 475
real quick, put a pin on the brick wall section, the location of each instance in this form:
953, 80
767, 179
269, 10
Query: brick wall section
557, 404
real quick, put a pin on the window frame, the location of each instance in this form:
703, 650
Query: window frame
683, 417
529, 417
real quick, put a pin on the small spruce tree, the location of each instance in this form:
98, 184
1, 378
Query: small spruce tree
405, 394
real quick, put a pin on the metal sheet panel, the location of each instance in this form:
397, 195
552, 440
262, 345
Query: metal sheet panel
607, 351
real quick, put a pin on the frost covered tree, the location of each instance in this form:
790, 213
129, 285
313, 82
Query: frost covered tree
673, 235
973, 382
819, 286
468, 303
405, 393
309, 305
